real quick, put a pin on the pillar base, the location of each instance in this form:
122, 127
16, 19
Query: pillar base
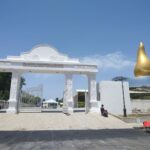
70, 110
94, 107
12, 109
65, 110
70, 106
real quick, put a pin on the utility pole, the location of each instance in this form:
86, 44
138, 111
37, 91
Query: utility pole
124, 105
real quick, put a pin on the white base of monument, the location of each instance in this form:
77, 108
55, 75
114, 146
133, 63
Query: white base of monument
97, 110
11, 111
12, 107
70, 110
94, 107
70, 106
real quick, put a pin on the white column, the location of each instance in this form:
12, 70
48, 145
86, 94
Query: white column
14, 93
68, 96
92, 93
87, 105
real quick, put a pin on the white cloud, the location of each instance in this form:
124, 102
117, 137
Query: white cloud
114, 60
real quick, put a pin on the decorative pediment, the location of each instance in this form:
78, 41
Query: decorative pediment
44, 53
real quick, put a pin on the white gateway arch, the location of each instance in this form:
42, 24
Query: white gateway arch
46, 59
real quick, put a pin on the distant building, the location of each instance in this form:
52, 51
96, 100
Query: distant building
140, 99
50, 104
80, 97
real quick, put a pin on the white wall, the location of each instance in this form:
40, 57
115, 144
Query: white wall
112, 98
140, 105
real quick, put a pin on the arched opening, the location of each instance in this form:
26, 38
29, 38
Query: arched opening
42, 92
80, 92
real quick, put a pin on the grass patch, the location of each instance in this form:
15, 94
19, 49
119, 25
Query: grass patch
135, 115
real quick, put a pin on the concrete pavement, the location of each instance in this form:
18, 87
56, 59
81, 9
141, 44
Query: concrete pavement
79, 131
59, 121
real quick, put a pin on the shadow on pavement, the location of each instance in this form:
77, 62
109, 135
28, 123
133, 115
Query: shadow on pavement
65, 135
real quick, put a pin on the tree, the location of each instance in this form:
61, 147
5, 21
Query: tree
30, 99
57, 99
5, 82
22, 82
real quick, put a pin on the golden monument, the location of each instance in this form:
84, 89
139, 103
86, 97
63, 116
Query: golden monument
142, 67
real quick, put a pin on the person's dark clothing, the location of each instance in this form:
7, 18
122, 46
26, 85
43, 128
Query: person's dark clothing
105, 113
102, 110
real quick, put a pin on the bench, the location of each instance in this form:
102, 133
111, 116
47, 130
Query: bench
146, 125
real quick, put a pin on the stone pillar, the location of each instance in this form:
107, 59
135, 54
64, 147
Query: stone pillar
14, 93
92, 93
68, 96
87, 105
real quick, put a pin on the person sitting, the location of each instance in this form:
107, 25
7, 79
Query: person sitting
104, 112
102, 109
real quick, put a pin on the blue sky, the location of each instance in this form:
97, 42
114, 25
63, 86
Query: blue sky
102, 31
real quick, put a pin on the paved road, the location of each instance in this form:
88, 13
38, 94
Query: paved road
104, 139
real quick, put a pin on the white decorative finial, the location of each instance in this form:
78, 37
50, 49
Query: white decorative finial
141, 44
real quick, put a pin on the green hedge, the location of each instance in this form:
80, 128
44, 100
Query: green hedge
140, 96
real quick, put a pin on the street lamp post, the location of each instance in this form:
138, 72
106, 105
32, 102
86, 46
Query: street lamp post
124, 105
121, 78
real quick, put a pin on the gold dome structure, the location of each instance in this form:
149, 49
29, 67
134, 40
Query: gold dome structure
142, 67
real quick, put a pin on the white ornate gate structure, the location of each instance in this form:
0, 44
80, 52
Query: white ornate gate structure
46, 59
